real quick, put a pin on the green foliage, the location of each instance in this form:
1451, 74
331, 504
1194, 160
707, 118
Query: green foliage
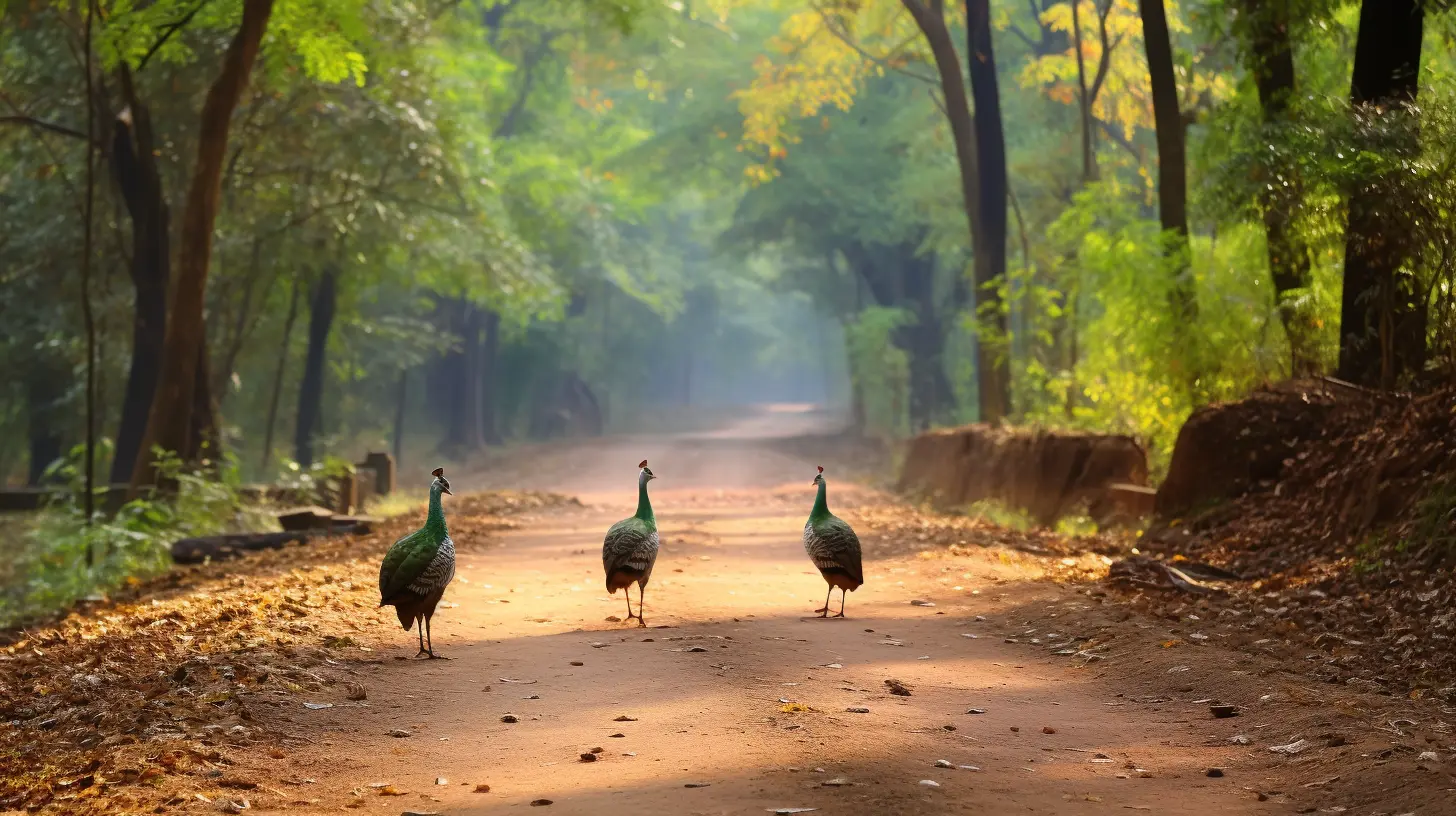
879, 371
63, 558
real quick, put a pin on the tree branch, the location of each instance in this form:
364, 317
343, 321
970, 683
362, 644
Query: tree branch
43, 125
844, 37
167, 33
1116, 136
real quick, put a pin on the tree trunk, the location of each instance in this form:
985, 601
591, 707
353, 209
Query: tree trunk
1172, 159
167, 420
462, 375
277, 394
88, 318
991, 373
1084, 100
924, 342
311, 387
45, 388
202, 440
1271, 61
1382, 309
140, 184
990, 252
399, 416
489, 378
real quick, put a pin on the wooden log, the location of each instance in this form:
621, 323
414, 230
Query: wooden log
306, 518
199, 549
24, 499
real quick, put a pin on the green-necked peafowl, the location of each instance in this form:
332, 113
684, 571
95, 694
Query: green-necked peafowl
630, 549
417, 569
834, 549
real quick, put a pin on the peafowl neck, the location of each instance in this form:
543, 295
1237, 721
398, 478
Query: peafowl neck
821, 504
644, 505
435, 521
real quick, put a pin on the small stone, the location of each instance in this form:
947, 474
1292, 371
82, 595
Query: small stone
540, 802
975, 711
440, 780
835, 783
482, 788
919, 602
597, 750
968, 767
1428, 756
948, 727
944, 763
613, 619
1215, 773
1224, 711
857, 710
697, 784
1047, 729
588, 757
577, 663
625, 718
1015, 729
897, 688
617, 736
929, 783
1241, 739
400, 733
509, 718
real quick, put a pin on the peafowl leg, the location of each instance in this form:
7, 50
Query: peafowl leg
824, 613
423, 651
843, 596
641, 604
628, 593
431, 641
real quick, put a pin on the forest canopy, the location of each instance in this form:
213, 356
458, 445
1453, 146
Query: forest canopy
262, 234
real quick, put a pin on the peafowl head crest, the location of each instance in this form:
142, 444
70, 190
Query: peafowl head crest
439, 474
646, 471
819, 477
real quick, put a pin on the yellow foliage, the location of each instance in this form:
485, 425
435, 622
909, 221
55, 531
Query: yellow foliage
826, 54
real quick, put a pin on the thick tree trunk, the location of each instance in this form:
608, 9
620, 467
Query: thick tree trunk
462, 374
311, 388
167, 420
276, 397
1172, 157
1271, 61
140, 184
1382, 310
991, 373
990, 252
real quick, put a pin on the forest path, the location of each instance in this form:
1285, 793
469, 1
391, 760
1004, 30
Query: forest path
731, 638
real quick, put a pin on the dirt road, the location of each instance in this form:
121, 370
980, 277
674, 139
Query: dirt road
274, 683
736, 700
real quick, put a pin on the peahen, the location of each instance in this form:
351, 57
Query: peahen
834, 549
630, 549
418, 567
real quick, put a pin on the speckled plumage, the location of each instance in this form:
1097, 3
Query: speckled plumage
630, 548
833, 547
418, 567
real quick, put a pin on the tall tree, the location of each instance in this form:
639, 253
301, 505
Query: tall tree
134, 166
322, 307
1382, 308
1269, 54
990, 253
1169, 127
169, 422
992, 376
